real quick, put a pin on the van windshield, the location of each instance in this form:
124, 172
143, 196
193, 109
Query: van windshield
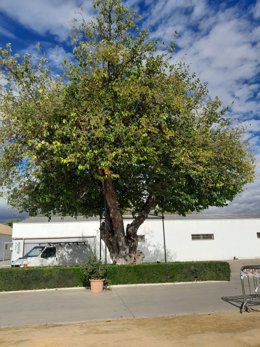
35, 251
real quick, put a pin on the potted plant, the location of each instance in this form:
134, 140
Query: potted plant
94, 273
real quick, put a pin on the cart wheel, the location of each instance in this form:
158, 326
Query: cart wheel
242, 308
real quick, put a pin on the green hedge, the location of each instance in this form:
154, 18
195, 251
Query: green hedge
62, 277
39, 278
168, 272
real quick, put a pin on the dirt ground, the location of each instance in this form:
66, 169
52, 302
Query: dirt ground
211, 330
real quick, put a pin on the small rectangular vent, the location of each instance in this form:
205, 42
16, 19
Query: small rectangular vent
198, 237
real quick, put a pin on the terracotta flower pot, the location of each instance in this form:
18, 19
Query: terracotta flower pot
96, 286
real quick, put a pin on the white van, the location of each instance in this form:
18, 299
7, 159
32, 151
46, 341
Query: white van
54, 255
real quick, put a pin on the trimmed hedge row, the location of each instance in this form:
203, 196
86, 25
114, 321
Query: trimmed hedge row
168, 272
40, 278
64, 277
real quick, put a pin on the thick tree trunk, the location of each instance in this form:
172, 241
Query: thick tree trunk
114, 233
122, 245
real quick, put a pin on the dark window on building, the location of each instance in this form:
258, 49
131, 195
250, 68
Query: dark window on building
258, 235
197, 237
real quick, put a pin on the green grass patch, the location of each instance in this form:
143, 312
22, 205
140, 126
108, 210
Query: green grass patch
64, 277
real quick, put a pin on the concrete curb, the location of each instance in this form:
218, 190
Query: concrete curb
110, 287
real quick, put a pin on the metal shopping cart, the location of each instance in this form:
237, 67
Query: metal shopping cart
250, 281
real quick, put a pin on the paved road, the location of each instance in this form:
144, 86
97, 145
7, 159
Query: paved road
75, 305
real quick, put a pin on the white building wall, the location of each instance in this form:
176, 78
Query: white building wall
5, 241
232, 237
153, 244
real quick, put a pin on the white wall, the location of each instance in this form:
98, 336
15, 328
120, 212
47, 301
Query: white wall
232, 238
4, 240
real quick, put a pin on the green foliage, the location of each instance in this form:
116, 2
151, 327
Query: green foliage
168, 272
123, 111
61, 277
39, 278
10, 222
93, 269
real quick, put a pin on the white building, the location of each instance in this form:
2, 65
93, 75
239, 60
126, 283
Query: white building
196, 237
5, 242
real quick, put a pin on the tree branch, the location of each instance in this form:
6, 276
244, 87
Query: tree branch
132, 228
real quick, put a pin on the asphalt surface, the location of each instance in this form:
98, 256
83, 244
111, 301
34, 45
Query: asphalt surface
120, 302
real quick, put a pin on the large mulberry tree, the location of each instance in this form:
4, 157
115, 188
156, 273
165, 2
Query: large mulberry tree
123, 130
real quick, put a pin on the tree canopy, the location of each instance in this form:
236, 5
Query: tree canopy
123, 129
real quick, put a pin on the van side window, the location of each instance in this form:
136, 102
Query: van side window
49, 252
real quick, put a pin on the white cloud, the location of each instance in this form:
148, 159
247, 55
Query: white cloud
45, 16
222, 46
8, 213
256, 10
6, 33
57, 55
248, 201
226, 56
54, 54
3, 80
251, 125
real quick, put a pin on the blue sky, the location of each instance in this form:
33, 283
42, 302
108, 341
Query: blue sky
219, 39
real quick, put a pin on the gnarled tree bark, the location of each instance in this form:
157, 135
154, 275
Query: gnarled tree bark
122, 244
